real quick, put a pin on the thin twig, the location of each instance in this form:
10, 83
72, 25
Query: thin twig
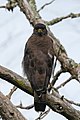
45, 5
72, 102
10, 5
64, 83
57, 76
27, 108
11, 92
43, 114
2, 6
55, 79
54, 21
78, 80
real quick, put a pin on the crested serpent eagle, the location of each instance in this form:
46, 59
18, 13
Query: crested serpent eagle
37, 63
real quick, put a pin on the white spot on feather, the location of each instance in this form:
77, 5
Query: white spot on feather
50, 54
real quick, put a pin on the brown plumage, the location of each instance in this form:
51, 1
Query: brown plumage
37, 64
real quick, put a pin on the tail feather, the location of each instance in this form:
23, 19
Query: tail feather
40, 101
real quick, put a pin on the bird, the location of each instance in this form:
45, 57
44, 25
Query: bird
38, 62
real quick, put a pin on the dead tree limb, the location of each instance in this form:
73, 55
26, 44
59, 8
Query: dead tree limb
46, 4
54, 100
11, 92
8, 111
57, 20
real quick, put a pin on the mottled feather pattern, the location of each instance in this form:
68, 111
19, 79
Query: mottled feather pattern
37, 65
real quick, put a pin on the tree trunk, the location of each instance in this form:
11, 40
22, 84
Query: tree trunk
8, 111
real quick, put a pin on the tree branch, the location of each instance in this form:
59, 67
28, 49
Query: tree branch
55, 78
64, 83
62, 107
29, 9
8, 111
27, 108
78, 70
72, 102
54, 101
46, 4
15, 79
10, 5
11, 92
43, 114
57, 20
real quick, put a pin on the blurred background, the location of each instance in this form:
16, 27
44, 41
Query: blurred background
14, 32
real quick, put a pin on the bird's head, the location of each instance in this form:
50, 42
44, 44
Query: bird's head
40, 29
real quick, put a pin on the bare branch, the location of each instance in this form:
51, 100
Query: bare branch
72, 102
11, 92
58, 106
15, 79
27, 108
10, 5
29, 9
2, 6
43, 114
64, 83
78, 80
8, 111
57, 20
78, 70
45, 5
55, 78
53, 100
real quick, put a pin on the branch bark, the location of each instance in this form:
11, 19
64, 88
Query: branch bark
15, 79
8, 111
54, 100
61, 106
71, 15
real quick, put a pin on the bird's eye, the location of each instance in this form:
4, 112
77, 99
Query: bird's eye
36, 30
43, 29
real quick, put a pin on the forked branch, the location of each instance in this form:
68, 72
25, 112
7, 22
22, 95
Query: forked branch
54, 101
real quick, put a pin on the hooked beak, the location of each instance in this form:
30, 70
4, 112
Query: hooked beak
40, 31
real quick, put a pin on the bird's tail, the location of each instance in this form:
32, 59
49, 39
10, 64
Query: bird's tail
40, 101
